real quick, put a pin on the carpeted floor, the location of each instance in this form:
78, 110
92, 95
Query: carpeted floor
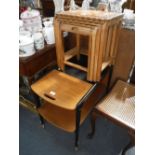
109, 139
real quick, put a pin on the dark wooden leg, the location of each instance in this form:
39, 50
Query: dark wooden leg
28, 81
131, 143
78, 115
93, 120
38, 104
42, 121
110, 76
127, 147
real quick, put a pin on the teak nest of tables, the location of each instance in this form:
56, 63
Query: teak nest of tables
102, 28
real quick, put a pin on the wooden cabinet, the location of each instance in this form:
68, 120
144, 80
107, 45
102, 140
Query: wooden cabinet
28, 66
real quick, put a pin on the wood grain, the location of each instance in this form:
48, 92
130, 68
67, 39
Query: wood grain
69, 90
100, 27
65, 118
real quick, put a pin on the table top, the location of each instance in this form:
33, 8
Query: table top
68, 90
120, 104
90, 14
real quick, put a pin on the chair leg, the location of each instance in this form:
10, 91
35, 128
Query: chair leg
127, 147
131, 143
93, 121
78, 115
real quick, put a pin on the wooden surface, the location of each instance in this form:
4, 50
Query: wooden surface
60, 117
97, 16
125, 55
28, 66
69, 90
120, 104
96, 25
64, 118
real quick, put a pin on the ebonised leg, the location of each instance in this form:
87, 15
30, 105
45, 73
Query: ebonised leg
127, 147
38, 104
93, 120
78, 115
110, 76
131, 143
42, 121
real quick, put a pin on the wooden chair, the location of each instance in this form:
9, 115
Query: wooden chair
119, 107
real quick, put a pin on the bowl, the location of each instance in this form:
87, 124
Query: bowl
26, 46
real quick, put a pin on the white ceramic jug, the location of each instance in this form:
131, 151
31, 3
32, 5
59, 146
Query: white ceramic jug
26, 46
38, 40
129, 17
59, 5
48, 32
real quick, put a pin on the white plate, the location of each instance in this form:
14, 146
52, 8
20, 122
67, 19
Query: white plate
26, 54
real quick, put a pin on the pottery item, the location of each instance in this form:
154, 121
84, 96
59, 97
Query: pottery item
47, 19
129, 17
59, 5
86, 4
116, 5
26, 46
72, 5
38, 40
48, 32
48, 23
65, 34
25, 33
31, 20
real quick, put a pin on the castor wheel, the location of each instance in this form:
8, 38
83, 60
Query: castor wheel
76, 148
90, 135
43, 126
